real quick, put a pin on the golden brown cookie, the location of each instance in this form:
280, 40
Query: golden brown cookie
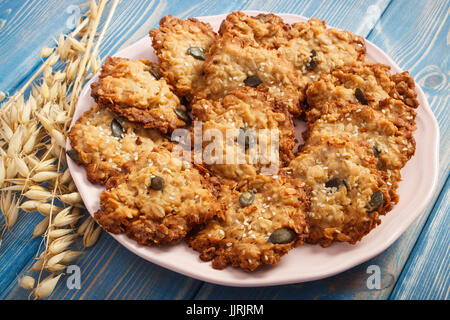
245, 133
348, 192
265, 217
234, 62
368, 128
365, 83
159, 202
181, 46
266, 30
133, 89
400, 114
314, 49
103, 143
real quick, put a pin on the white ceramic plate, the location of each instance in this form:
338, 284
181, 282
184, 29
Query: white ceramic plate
307, 262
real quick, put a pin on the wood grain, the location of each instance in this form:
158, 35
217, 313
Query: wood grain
417, 41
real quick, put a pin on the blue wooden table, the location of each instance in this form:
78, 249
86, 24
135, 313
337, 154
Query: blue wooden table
415, 33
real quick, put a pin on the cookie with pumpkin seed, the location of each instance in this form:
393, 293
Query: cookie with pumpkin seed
265, 30
245, 133
181, 47
365, 83
103, 143
134, 89
314, 49
366, 127
349, 194
264, 218
159, 201
234, 62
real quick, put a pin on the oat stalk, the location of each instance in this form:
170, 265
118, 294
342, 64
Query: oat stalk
33, 168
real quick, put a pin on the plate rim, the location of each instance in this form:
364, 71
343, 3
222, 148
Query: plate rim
432, 123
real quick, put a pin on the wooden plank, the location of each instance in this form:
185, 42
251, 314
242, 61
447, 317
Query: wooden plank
109, 271
26, 27
426, 273
17, 257
108, 264
132, 21
424, 29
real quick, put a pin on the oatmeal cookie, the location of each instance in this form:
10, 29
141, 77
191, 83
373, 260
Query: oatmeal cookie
369, 128
365, 83
257, 133
400, 114
181, 46
314, 49
265, 217
133, 89
159, 202
348, 192
103, 143
233, 62
266, 30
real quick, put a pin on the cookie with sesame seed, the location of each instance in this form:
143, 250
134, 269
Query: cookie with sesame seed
235, 62
181, 47
103, 143
134, 90
314, 49
369, 84
247, 132
349, 194
265, 30
400, 114
367, 127
159, 201
265, 217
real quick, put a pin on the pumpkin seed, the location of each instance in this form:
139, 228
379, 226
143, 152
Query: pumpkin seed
182, 115
282, 236
155, 73
184, 101
381, 165
117, 129
73, 154
196, 52
376, 200
359, 94
262, 20
376, 150
246, 198
336, 183
246, 138
157, 183
312, 63
252, 81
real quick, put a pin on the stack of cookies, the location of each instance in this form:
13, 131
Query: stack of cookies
256, 75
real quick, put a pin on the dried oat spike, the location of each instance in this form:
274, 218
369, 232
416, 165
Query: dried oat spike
73, 198
41, 227
46, 287
26, 282
47, 208
45, 176
91, 236
9, 207
61, 244
2, 171
58, 233
39, 195
29, 206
